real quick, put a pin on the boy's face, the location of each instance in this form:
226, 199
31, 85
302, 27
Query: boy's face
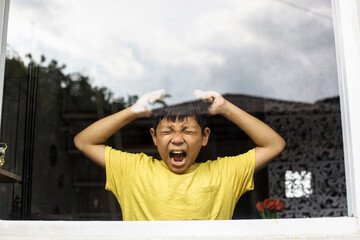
179, 142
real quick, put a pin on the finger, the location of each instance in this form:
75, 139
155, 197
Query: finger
208, 96
156, 95
198, 93
145, 101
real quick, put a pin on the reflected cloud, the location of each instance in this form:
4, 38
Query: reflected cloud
277, 49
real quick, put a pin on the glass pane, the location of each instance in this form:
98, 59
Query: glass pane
274, 59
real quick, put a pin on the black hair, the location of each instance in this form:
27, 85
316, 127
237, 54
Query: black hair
198, 109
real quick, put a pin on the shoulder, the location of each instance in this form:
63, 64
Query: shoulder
232, 163
247, 156
118, 157
111, 152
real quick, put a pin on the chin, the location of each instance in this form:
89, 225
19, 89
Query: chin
178, 171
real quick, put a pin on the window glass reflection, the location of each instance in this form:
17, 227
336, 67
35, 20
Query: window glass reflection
274, 59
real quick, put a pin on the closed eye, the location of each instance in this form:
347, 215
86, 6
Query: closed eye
166, 132
189, 132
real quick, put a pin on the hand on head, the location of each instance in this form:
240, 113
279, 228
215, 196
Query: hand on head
143, 104
214, 97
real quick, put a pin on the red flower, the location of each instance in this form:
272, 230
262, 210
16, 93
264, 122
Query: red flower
269, 204
269, 208
260, 206
279, 205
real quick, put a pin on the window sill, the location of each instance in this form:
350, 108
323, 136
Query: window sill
309, 228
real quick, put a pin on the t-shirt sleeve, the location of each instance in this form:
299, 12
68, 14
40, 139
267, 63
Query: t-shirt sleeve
112, 168
117, 165
239, 171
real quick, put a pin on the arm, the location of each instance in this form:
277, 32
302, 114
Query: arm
91, 140
268, 143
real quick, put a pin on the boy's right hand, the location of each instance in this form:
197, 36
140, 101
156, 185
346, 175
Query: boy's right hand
143, 104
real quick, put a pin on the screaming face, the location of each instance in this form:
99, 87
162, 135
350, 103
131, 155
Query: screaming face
179, 142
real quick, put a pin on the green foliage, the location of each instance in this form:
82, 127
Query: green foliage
73, 91
15, 67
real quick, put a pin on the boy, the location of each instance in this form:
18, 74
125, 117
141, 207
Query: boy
175, 188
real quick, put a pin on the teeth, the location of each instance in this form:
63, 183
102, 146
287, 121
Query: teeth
177, 152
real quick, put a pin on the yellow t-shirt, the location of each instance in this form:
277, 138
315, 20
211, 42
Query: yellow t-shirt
147, 190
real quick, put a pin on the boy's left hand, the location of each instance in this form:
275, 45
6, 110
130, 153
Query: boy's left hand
217, 100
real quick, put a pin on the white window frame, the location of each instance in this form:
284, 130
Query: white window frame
4, 14
347, 37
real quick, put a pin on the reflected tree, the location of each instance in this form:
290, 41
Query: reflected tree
66, 104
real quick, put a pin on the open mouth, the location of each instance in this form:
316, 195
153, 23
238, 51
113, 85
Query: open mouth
178, 157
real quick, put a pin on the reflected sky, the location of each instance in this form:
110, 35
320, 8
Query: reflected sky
280, 49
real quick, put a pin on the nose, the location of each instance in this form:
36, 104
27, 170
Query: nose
177, 138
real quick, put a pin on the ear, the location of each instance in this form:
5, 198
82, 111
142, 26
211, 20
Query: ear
153, 134
205, 136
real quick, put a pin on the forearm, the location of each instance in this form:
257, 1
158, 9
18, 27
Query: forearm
260, 133
98, 132
269, 144
91, 140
